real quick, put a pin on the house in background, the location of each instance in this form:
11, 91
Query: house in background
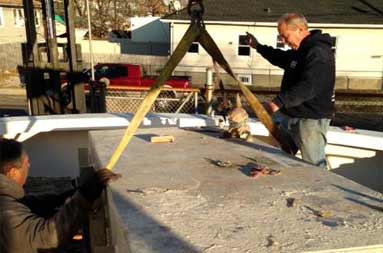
356, 28
147, 36
12, 22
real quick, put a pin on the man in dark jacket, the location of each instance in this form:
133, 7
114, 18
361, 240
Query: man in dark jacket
305, 104
24, 226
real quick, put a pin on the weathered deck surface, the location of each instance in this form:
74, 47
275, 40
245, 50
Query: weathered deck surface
174, 198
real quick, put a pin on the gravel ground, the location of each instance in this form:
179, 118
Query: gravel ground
9, 79
362, 120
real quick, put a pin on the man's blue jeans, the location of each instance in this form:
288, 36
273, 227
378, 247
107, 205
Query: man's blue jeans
309, 135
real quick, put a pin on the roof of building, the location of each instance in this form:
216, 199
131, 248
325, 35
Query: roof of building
17, 3
319, 11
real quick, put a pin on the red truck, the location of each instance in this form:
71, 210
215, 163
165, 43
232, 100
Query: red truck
122, 74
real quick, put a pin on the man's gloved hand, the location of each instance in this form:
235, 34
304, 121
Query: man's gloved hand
251, 40
94, 182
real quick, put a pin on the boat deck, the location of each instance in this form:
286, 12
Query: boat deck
174, 197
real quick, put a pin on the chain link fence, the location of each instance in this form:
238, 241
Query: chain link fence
170, 100
362, 111
190, 100
344, 101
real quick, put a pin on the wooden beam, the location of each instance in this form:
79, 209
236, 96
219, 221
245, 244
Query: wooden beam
162, 139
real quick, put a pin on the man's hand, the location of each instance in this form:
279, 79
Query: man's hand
251, 40
95, 182
106, 175
270, 107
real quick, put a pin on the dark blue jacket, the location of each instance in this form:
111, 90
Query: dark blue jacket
307, 89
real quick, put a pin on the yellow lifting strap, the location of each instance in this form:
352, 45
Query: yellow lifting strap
190, 36
195, 32
211, 47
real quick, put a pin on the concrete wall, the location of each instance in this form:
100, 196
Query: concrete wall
10, 56
99, 46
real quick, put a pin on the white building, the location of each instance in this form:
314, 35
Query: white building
147, 36
12, 21
356, 26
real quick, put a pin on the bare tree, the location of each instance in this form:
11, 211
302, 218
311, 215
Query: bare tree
110, 15
153, 7
80, 7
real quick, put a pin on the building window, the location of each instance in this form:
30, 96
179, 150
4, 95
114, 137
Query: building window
333, 44
194, 48
280, 43
245, 78
1, 17
18, 17
243, 47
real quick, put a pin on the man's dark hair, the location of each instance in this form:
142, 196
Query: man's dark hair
10, 154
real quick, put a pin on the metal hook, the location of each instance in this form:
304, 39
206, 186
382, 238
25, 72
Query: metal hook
196, 10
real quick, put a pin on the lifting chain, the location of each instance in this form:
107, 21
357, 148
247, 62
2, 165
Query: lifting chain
196, 10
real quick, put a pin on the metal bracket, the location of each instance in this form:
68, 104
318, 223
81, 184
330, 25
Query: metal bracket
196, 10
